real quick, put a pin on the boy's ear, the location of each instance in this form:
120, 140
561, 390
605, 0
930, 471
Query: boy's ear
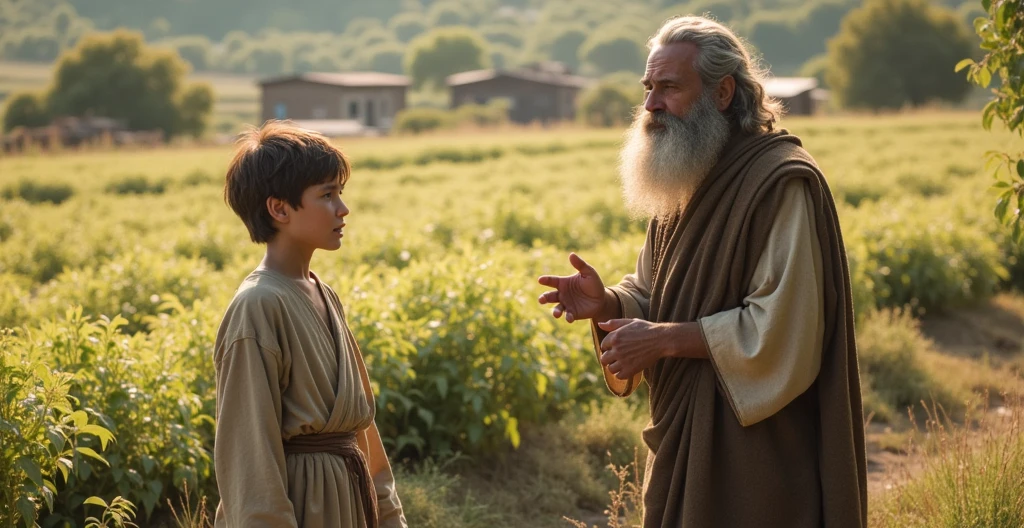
278, 209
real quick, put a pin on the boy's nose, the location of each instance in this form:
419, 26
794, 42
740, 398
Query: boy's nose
343, 210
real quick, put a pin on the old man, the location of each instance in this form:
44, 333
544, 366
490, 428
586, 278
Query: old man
739, 315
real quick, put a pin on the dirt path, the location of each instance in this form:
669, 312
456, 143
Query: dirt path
992, 333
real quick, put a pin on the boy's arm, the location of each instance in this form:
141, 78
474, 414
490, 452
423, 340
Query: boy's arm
248, 448
389, 507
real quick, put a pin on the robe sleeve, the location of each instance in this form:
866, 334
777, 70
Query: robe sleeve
634, 294
768, 351
389, 507
248, 449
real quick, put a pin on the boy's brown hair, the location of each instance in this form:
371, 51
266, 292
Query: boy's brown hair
278, 160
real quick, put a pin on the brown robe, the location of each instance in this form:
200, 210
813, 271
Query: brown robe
283, 373
804, 465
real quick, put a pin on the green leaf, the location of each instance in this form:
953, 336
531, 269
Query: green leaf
1000, 17
96, 501
27, 509
57, 439
426, 416
31, 468
49, 490
963, 64
65, 466
987, 116
984, 77
442, 386
80, 418
1001, 185
512, 431
478, 403
475, 431
1001, 206
7, 427
148, 463
98, 431
986, 5
87, 451
1020, 168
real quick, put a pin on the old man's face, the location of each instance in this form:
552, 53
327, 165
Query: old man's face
675, 139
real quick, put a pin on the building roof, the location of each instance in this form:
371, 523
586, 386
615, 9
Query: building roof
528, 74
779, 87
350, 79
331, 127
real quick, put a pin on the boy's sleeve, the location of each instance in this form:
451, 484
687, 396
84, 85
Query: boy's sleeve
248, 448
389, 507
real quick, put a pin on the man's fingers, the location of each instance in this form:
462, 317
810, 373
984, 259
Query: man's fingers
580, 264
558, 310
570, 317
548, 297
612, 325
551, 281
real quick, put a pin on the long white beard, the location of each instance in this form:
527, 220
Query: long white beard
665, 158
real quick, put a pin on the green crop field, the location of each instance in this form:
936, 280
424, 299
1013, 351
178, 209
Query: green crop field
437, 271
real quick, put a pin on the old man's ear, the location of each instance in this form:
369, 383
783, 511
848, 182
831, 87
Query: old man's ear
724, 93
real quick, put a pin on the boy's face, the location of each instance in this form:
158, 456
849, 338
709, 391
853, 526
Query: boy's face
320, 222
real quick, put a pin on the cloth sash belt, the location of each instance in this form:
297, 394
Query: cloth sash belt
345, 446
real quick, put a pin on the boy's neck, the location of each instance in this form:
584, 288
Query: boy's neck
287, 258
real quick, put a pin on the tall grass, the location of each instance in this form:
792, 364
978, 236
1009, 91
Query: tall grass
967, 480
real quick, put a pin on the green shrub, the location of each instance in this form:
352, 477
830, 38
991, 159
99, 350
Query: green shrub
889, 345
34, 192
46, 438
136, 185
462, 356
921, 258
416, 120
155, 393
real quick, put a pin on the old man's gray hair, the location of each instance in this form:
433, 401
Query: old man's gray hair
721, 53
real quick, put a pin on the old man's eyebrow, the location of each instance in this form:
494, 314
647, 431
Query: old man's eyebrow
646, 81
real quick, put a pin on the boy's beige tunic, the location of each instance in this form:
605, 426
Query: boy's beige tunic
282, 372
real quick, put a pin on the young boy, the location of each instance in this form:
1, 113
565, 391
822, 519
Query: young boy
296, 444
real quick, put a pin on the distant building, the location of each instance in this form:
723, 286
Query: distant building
800, 95
540, 92
343, 103
72, 132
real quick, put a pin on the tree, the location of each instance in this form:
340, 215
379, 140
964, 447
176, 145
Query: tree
195, 49
32, 44
1002, 35
610, 52
386, 57
565, 47
608, 104
446, 14
890, 53
194, 108
442, 52
505, 34
26, 109
115, 75
407, 26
